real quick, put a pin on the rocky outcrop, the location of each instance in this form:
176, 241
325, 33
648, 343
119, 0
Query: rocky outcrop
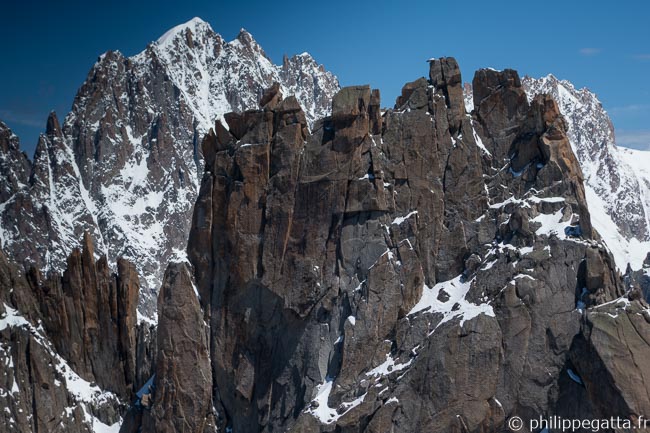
183, 385
40, 390
90, 315
420, 269
500, 106
616, 181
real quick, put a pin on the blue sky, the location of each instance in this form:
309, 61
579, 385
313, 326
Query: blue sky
48, 47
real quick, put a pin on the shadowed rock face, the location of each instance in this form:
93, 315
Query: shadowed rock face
183, 377
612, 354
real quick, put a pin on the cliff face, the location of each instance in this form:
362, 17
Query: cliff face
617, 183
183, 384
422, 269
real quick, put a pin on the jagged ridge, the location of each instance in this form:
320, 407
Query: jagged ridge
124, 166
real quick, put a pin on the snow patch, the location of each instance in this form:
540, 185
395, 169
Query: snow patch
12, 318
400, 220
551, 224
322, 411
455, 306
387, 367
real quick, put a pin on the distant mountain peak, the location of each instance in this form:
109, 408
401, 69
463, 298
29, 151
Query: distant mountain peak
125, 162
243, 33
194, 25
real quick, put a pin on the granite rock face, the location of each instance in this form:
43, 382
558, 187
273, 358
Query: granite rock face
183, 381
90, 315
421, 269
611, 355
616, 180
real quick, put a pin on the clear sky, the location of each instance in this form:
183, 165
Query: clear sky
48, 47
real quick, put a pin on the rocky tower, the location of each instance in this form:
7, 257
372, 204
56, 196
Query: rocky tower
424, 269
71, 353
183, 374
617, 184
616, 179
126, 162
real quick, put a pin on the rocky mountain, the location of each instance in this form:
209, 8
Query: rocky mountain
325, 265
126, 162
421, 268
617, 180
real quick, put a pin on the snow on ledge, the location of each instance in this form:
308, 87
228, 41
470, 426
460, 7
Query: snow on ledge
388, 367
457, 290
323, 412
12, 319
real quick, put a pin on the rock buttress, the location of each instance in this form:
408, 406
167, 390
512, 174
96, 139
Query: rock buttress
416, 269
183, 383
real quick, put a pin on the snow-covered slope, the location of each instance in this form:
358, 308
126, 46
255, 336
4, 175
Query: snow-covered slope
124, 164
216, 77
639, 161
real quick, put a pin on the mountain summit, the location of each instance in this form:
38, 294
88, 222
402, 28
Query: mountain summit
125, 163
